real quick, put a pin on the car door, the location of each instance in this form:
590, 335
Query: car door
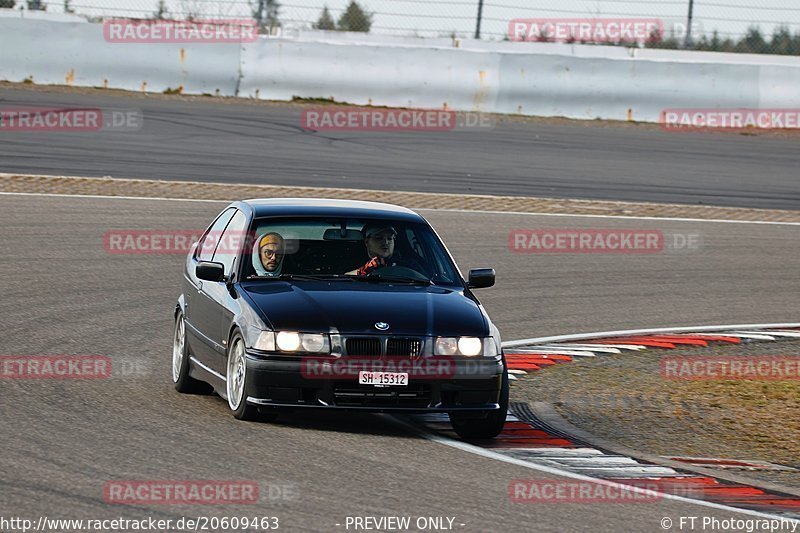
216, 298
200, 327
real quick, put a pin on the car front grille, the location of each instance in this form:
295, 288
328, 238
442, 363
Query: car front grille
416, 395
374, 346
368, 346
407, 347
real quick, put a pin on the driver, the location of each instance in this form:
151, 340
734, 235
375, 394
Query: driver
268, 254
380, 241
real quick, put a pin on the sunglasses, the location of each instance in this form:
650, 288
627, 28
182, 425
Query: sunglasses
269, 252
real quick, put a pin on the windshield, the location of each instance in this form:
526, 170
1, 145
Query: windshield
373, 250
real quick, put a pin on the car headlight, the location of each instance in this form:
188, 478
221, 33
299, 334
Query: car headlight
470, 346
467, 346
265, 341
288, 341
313, 343
292, 341
446, 346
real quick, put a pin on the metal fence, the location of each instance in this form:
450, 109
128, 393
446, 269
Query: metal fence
753, 26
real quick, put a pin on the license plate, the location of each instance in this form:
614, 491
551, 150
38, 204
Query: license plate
383, 378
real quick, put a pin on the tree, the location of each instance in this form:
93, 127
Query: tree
7, 4
325, 21
543, 37
710, 45
36, 5
783, 42
355, 19
266, 13
272, 14
161, 11
192, 10
658, 40
753, 42
716, 42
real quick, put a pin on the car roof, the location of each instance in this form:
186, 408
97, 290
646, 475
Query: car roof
329, 207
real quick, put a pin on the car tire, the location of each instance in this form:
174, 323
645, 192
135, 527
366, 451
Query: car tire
488, 427
236, 379
180, 362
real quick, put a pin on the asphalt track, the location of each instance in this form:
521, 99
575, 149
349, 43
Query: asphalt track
240, 142
61, 440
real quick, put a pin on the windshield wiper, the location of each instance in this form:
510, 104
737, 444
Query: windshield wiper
301, 277
395, 279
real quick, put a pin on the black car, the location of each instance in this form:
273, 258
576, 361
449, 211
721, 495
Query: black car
335, 304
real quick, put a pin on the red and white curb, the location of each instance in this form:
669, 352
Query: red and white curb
732, 464
527, 441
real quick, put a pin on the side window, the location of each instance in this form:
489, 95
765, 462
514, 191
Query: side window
442, 271
414, 243
231, 242
205, 250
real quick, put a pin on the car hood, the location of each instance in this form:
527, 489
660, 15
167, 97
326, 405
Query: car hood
355, 307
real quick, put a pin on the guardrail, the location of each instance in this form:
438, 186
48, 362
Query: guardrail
542, 79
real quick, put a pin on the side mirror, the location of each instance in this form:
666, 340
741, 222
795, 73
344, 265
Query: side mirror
480, 278
208, 271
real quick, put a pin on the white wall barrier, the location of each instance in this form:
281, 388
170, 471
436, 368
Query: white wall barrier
65, 53
575, 81
371, 74
620, 89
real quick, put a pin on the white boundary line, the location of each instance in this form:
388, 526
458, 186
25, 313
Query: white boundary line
564, 473
622, 217
103, 196
683, 329
470, 448
444, 210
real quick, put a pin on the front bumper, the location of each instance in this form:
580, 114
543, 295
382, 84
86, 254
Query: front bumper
469, 385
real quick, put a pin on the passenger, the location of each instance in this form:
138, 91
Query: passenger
268, 254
